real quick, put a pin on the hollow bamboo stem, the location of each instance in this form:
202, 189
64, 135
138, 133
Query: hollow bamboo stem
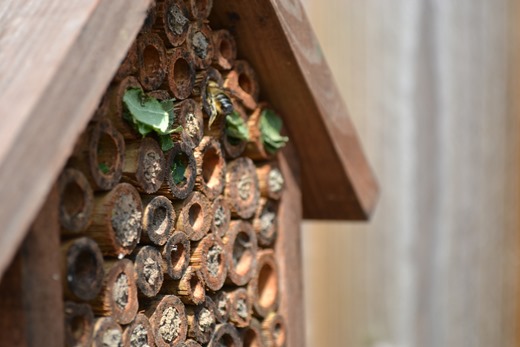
201, 321
241, 191
199, 10
270, 180
200, 44
189, 116
241, 250
211, 168
243, 84
144, 165
265, 222
208, 256
190, 288
225, 49
172, 22
76, 201
138, 333
252, 335
107, 333
225, 335
240, 307
79, 324
178, 184
221, 217
167, 317
151, 60
194, 216
274, 330
158, 220
222, 306
149, 271
180, 77
176, 255
264, 287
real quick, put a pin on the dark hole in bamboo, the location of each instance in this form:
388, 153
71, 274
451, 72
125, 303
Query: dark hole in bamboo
267, 285
210, 164
151, 60
241, 253
181, 71
227, 341
85, 267
251, 339
159, 219
197, 288
73, 199
226, 50
106, 153
245, 83
279, 334
178, 255
196, 216
181, 159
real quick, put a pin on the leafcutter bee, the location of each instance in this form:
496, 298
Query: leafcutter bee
218, 101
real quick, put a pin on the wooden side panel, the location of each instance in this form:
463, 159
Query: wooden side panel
56, 60
276, 37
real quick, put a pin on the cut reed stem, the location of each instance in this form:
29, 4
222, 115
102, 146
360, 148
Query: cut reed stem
225, 49
116, 107
176, 255
151, 60
180, 172
270, 180
189, 116
180, 73
274, 330
243, 84
107, 333
149, 271
240, 307
241, 191
221, 217
225, 335
199, 10
200, 44
138, 333
172, 22
79, 324
76, 201
194, 216
158, 220
263, 288
241, 249
265, 221
144, 165
222, 306
208, 255
190, 288
252, 335
211, 168
201, 321
168, 320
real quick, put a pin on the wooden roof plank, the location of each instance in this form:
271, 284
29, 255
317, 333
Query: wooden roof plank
56, 60
275, 36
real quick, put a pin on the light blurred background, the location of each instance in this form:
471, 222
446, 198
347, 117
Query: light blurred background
432, 87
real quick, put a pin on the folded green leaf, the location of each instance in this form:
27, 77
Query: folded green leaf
146, 110
178, 171
270, 127
236, 127
104, 168
166, 142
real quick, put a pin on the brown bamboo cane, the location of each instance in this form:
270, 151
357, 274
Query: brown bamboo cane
241, 191
225, 49
211, 168
76, 201
116, 221
270, 180
79, 324
200, 45
194, 215
151, 60
242, 82
274, 330
144, 165
190, 288
189, 116
138, 333
225, 335
82, 269
221, 217
158, 219
148, 269
180, 154
222, 306
252, 335
240, 312
199, 10
180, 76
241, 249
107, 333
172, 22
176, 255
201, 321
208, 256
167, 317
265, 222
264, 287
118, 296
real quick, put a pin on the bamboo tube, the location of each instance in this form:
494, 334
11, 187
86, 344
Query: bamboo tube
179, 156
191, 343
151, 60
200, 44
221, 217
107, 333
232, 146
255, 148
189, 116
208, 256
129, 65
116, 221
168, 320
222, 306
270, 180
201, 321
263, 288
139, 333
241, 191
265, 222
158, 220
151, 16
211, 168
240, 307
241, 250
118, 297
190, 288
225, 335
149, 271
252, 335
144, 165
176, 255
225, 49
243, 84
116, 107
76, 201
199, 10
180, 76
100, 155
160, 94
82, 269
274, 330
194, 216
172, 22
79, 324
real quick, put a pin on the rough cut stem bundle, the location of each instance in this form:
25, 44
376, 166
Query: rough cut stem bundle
225, 48
168, 320
100, 155
274, 330
211, 168
107, 333
200, 44
240, 307
149, 271
241, 191
176, 255
225, 335
118, 297
129, 65
180, 154
79, 324
252, 335
144, 165
241, 249
194, 216
190, 288
263, 288
172, 22
158, 220
208, 256
221, 217
270, 180
232, 146
151, 60
180, 77
199, 10
222, 306
201, 321
82, 269
243, 84
265, 221
76, 201
255, 148
116, 221
189, 116
139, 333
116, 107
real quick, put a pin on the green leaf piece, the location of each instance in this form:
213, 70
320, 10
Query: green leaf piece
178, 171
146, 110
270, 127
104, 168
236, 127
166, 142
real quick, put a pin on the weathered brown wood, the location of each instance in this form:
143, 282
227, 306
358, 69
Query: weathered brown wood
276, 38
50, 89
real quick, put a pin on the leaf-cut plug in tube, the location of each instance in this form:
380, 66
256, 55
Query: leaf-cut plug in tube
144, 165
180, 172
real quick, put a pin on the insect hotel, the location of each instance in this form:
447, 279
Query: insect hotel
156, 163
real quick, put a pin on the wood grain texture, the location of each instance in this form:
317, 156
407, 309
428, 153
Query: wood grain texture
276, 38
56, 60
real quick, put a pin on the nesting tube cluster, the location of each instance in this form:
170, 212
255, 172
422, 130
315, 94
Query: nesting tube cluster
173, 245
